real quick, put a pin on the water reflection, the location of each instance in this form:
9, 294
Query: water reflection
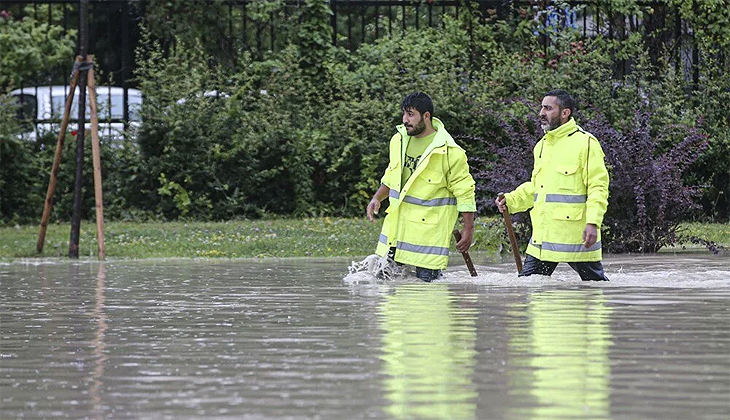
428, 352
560, 355
99, 346
286, 339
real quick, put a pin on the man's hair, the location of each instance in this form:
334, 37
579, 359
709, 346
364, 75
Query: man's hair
418, 101
565, 101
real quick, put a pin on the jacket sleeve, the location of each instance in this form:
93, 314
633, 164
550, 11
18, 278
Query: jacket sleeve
523, 197
597, 184
392, 161
460, 181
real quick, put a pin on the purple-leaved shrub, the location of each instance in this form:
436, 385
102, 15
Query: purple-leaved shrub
648, 198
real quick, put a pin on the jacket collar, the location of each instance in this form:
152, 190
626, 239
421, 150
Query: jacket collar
442, 138
562, 131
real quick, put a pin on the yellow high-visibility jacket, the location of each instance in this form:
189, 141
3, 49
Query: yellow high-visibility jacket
568, 189
422, 213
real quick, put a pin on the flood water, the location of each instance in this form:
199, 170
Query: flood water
301, 339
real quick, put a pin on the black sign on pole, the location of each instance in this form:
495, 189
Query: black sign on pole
73, 246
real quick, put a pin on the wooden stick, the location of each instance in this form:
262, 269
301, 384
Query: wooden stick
512, 239
467, 258
57, 158
96, 157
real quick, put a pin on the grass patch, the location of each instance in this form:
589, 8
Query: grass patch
312, 237
715, 232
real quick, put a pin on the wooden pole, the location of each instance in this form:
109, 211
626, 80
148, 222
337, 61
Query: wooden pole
57, 157
512, 239
73, 243
467, 258
96, 157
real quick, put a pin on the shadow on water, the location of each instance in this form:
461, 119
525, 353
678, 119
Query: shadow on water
299, 338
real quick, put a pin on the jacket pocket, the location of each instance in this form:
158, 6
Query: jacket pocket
567, 178
568, 214
432, 178
392, 175
424, 216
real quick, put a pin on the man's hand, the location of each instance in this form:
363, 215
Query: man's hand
374, 204
501, 203
373, 208
590, 235
467, 234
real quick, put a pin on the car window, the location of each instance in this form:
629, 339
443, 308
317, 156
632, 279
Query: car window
27, 105
108, 106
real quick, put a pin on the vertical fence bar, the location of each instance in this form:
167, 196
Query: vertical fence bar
678, 41
333, 21
362, 24
417, 15
272, 31
403, 7
125, 67
430, 17
443, 16
349, 29
390, 21
377, 22
243, 24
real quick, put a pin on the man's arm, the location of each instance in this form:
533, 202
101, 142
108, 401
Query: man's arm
374, 204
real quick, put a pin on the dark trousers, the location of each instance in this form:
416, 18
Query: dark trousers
586, 270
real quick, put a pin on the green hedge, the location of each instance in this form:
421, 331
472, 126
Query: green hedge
304, 131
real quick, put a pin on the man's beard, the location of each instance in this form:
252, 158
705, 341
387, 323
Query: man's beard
417, 129
550, 124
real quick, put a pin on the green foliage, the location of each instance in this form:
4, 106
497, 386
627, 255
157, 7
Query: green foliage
31, 50
235, 129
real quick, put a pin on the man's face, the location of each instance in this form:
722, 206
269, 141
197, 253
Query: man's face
551, 115
414, 122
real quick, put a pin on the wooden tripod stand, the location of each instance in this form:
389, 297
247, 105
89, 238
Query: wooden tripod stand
95, 150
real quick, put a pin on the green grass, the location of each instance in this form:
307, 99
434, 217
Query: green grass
716, 232
235, 239
313, 237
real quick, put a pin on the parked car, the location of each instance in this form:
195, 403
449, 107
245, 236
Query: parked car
41, 108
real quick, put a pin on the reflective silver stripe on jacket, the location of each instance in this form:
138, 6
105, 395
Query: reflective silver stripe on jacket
394, 194
565, 198
434, 202
383, 239
421, 249
534, 198
552, 246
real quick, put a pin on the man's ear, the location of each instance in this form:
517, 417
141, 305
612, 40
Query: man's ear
427, 114
567, 113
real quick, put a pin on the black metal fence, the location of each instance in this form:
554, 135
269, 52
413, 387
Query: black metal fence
114, 26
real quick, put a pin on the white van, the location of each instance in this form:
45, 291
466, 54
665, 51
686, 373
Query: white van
41, 109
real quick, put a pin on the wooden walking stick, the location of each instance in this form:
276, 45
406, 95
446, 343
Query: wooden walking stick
467, 258
57, 157
512, 238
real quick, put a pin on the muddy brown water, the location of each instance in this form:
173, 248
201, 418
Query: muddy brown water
301, 339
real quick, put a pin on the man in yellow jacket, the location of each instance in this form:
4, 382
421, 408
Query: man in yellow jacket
428, 184
568, 194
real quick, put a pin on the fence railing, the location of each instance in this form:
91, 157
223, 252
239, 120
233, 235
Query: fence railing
114, 26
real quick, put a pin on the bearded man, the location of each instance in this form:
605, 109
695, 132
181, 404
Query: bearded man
568, 194
428, 184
